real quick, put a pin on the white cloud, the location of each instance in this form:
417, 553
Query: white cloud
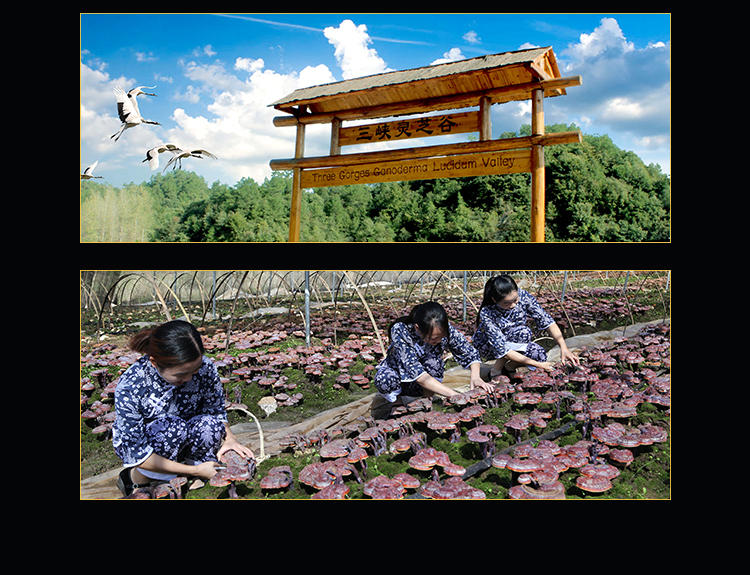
206, 50
472, 37
606, 37
145, 57
240, 128
623, 109
352, 52
248, 64
625, 89
451, 55
237, 124
190, 94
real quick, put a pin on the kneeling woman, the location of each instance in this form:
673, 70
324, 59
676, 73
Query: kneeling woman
413, 366
503, 333
170, 414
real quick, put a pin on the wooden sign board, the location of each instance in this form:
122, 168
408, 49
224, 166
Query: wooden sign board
422, 169
423, 127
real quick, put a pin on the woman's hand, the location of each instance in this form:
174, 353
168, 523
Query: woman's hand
568, 356
231, 444
205, 470
477, 381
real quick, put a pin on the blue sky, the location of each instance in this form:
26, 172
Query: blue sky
215, 76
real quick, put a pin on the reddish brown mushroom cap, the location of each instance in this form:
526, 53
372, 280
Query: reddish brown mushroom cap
555, 490
624, 456
336, 491
501, 460
408, 481
454, 470
357, 454
383, 487
593, 483
279, 477
527, 398
315, 475
600, 470
523, 465
334, 449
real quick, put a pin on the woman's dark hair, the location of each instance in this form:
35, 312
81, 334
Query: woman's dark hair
170, 344
427, 316
496, 289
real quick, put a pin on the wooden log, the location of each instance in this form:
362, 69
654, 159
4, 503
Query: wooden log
460, 166
295, 212
485, 123
537, 168
336, 137
426, 151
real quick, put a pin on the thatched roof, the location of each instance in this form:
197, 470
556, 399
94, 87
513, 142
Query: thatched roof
469, 77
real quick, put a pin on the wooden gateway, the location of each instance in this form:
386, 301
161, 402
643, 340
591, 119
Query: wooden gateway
475, 84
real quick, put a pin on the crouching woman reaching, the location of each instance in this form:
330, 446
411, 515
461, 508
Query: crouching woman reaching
413, 366
170, 414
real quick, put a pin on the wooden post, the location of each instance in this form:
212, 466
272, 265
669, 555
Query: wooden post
335, 146
296, 208
485, 123
537, 168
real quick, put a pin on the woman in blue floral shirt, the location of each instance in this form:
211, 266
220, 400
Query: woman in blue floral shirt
170, 414
503, 333
413, 366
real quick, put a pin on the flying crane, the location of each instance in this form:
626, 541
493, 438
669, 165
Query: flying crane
152, 155
127, 109
88, 173
180, 154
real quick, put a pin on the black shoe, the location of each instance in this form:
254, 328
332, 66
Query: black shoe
125, 483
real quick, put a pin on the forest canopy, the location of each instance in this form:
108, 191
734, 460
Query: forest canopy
595, 192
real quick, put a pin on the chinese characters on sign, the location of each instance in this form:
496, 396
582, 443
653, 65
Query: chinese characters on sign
423, 127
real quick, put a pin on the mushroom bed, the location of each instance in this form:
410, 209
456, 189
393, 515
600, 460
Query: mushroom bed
600, 430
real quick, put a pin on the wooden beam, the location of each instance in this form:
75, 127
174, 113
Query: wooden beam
426, 151
497, 95
462, 166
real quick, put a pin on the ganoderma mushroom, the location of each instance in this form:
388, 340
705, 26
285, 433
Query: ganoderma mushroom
408, 481
333, 491
451, 488
383, 487
593, 483
484, 436
427, 458
358, 455
441, 422
316, 475
472, 413
624, 456
555, 490
415, 442
277, 479
500, 461
518, 423
336, 448
237, 469
373, 437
